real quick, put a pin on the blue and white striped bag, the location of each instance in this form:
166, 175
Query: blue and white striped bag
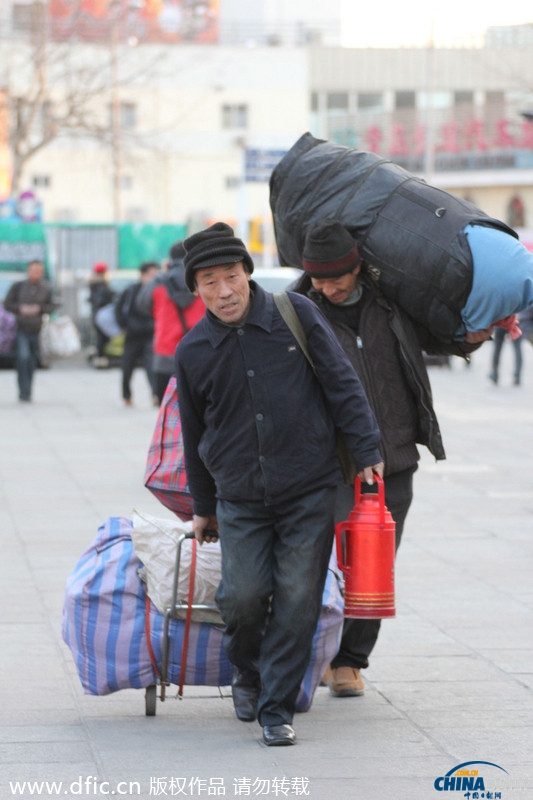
327, 638
105, 618
105, 621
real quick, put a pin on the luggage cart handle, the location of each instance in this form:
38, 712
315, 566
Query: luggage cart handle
174, 605
207, 532
211, 533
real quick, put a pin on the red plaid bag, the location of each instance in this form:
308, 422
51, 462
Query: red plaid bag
165, 473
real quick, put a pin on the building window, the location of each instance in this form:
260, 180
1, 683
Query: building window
404, 99
28, 17
435, 100
337, 101
41, 181
128, 115
462, 98
370, 101
235, 116
495, 100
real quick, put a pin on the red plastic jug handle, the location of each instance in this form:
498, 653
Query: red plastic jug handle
381, 495
340, 528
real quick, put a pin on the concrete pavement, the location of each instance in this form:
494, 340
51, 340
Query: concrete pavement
451, 677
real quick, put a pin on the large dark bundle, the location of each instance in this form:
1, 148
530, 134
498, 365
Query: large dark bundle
409, 232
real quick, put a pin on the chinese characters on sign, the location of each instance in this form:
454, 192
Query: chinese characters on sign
468, 145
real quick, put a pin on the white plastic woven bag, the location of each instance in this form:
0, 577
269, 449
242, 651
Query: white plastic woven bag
59, 337
155, 541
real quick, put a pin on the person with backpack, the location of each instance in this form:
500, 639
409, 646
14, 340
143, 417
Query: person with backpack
139, 332
100, 295
174, 309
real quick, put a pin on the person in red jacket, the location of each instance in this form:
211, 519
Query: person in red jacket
175, 311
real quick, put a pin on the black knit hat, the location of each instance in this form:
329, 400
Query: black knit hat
329, 250
214, 247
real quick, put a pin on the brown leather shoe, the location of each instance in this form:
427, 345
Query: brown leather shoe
346, 682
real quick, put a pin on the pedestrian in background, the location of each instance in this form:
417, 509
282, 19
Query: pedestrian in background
259, 432
174, 310
139, 333
100, 295
29, 300
499, 335
384, 347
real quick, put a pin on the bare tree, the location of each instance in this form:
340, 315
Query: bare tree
55, 89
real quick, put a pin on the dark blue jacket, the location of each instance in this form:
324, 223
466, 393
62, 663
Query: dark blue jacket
257, 425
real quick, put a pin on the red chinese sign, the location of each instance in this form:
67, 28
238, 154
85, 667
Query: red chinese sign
451, 137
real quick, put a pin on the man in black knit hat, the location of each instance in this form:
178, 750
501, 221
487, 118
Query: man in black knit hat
259, 438
385, 348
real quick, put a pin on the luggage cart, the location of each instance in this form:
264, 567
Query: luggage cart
172, 612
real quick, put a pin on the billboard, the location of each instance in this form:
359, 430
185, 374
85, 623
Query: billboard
163, 21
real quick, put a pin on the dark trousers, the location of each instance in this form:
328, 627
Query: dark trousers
135, 349
499, 338
27, 359
101, 341
274, 565
161, 380
360, 635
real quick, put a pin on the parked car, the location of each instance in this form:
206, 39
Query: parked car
275, 279
120, 279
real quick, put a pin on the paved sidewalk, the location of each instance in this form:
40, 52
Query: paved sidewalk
451, 677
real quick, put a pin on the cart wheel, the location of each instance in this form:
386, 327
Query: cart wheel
150, 700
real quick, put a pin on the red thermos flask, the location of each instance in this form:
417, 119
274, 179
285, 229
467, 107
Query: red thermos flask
365, 553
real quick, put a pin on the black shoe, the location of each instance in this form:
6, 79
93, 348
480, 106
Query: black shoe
278, 735
245, 689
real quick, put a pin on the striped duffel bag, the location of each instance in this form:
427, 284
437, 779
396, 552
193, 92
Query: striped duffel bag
115, 633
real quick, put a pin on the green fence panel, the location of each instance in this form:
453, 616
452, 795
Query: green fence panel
138, 243
20, 243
